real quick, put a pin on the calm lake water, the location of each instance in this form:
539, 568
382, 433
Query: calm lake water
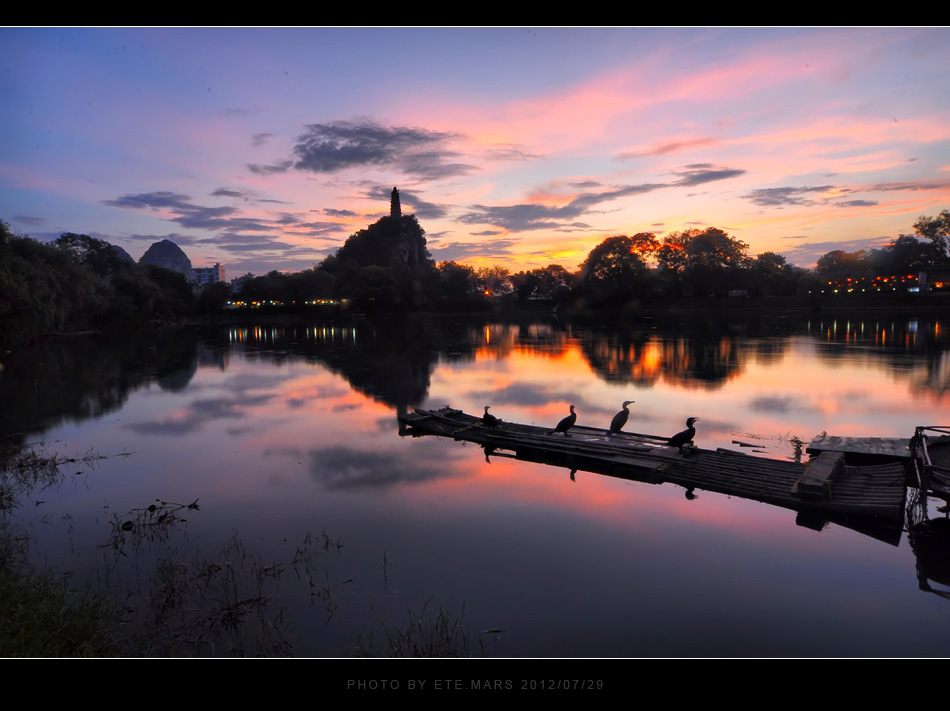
287, 433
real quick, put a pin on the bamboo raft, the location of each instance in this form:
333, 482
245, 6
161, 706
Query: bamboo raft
826, 486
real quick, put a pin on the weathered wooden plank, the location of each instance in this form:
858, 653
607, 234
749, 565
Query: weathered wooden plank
875, 446
815, 482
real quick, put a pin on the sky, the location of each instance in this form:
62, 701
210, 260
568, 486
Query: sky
265, 148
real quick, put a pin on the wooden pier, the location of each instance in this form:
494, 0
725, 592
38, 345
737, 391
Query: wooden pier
827, 487
877, 447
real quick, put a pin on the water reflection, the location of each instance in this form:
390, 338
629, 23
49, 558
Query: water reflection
393, 361
81, 378
280, 427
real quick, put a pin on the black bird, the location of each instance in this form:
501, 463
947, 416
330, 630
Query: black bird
684, 437
566, 424
620, 419
490, 420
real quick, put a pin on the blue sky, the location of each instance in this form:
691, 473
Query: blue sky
265, 148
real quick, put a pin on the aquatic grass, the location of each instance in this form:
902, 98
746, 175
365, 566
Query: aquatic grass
29, 469
42, 616
147, 525
218, 606
198, 607
151, 599
432, 632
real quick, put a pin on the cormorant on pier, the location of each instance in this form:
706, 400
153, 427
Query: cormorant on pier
490, 420
684, 437
566, 424
620, 419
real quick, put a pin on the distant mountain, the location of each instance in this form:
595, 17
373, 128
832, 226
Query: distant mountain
169, 255
123, 255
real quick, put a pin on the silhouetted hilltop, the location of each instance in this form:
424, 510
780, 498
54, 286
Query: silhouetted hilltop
168, 255
122, 254
395, 242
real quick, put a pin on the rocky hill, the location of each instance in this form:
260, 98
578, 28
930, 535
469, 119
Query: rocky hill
169, 255
123, 255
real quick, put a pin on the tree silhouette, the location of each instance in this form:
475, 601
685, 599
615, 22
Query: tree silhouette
937, 230
702, 262
614, 270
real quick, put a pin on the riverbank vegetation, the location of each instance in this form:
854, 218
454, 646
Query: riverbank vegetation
158, 601
80, 283
41, 614
151, 599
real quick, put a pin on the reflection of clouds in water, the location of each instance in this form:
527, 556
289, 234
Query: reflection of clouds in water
519, 394
769, 403
386, 424
241, 382
336, 389
538, 395
643, 412
313, 394
199, 412
786, 404
292, 452
710, 427
348, 468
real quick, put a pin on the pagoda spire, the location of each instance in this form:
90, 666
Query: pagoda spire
394, 208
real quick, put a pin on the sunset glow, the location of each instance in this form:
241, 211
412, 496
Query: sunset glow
265, 149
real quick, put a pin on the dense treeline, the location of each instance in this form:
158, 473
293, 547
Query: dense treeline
927, 248
78, 283
387, 267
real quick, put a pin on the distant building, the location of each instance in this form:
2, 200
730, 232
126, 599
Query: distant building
208, 275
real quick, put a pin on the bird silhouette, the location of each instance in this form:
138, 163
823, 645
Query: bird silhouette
490, 420
684, 437
564, 425
620, 419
